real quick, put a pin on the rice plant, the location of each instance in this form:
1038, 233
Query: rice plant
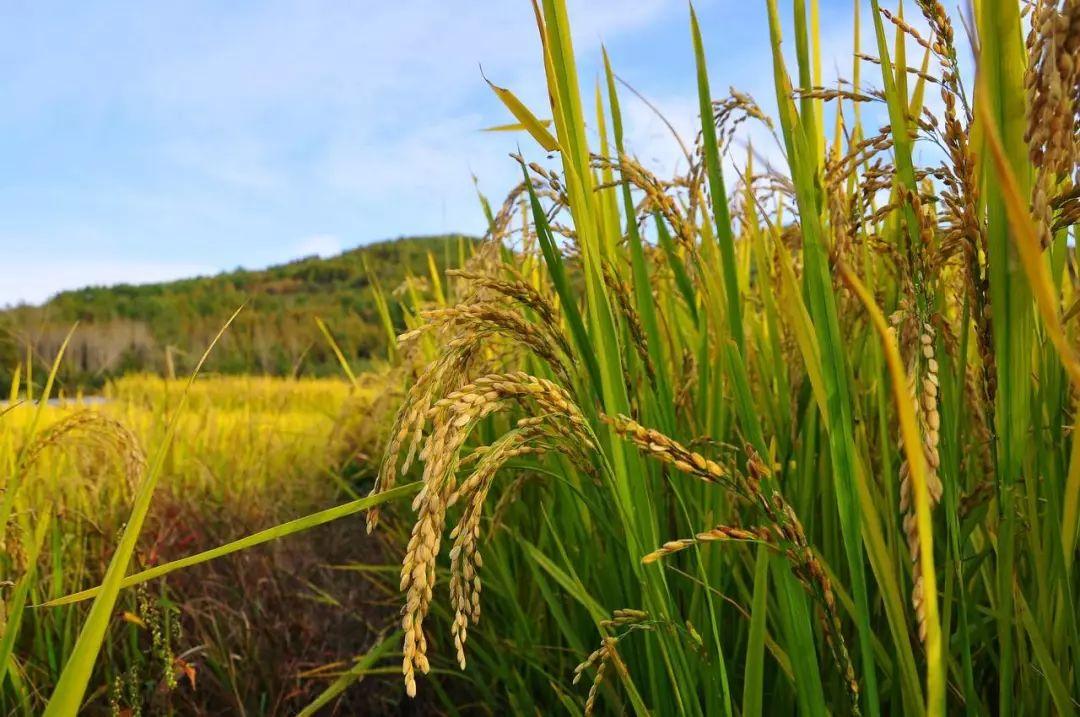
791, 438
795, 437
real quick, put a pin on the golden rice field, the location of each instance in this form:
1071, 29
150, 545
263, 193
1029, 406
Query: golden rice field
760, 438
246, 453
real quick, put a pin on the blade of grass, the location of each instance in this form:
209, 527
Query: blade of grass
513, 127
15, 605
297, 525
823, 312
352, 675
717, 192
909, 431
753, 689
567, 299
1063, 702
1029, 249
1000, 95
528, 120
337, 351
383, 308
67, 696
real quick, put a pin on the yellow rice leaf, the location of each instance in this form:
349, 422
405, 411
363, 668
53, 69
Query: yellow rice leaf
920, 87
513, 127
528, 120
1071, 509
798, 318
913, 449
1029, 248
134, 619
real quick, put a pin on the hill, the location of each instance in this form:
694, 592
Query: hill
164, 327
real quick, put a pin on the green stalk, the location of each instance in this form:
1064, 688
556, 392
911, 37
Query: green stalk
68, 694
1001, 77
822, 306
717, 193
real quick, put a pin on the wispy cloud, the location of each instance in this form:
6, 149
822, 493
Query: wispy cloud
317, 245
35, 282
209, 135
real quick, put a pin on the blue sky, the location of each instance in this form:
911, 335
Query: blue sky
149, 141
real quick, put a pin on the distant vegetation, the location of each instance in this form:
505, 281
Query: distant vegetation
163, 327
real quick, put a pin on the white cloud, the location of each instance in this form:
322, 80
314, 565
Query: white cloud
317, 244
329, 53
238, 160
203, 139
35, 282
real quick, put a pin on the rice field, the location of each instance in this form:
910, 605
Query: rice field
245, 454
760, 438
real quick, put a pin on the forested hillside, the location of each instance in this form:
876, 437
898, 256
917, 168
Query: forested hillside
164, 327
